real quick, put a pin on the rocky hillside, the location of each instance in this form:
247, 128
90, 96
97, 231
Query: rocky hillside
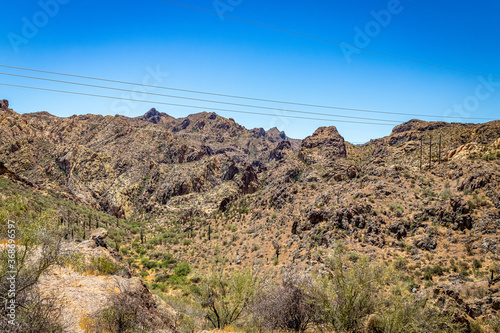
205, 190
122, 165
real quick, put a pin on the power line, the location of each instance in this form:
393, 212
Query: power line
241, 97
197, 99
196, 107
330, 41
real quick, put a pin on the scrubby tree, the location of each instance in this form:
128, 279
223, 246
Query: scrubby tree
226, 296
348, 293
288, 305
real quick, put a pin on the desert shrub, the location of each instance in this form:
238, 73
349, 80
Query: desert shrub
176, 280
189, 316
140, 251
437, 270
162, 278
127, 311
428, 275
168, 260
445, 195
400, 263
182, 269
289, 305
149, 264
103, 265
411, 284
396, 208
159, 286
427, 192
37, 313
410, 314
348, 293
225, 296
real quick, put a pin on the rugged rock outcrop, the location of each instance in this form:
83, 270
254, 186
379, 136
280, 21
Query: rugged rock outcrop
326, 144
4, 104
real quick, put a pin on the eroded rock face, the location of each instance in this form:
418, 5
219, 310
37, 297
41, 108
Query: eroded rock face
250, 181
328, 143
326, 137
278, 153
4, 104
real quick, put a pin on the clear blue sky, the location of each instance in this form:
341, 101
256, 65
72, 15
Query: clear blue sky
124, 40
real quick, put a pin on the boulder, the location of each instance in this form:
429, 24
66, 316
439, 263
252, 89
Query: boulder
427, 243
99, 233
398, 229
98, 236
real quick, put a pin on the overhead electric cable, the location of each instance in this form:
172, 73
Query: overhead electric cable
196, 107
196, 99
242, 97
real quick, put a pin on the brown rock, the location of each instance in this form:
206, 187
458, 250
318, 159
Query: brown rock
4, 104
328, 140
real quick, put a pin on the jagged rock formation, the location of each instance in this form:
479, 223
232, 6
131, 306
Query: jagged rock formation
119, 164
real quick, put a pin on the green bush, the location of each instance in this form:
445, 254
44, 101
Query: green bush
400, 263
159, 286
37, 230
411, 315
225, 296
162, 278
427, 192
104, 265
168, 260
396, 208
149, 264
182, 269
437, 270
346, 295
176, 280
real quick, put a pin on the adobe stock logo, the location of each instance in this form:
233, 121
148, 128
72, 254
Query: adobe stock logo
130, 100
485, 89
31, 26
372, 29
223, 6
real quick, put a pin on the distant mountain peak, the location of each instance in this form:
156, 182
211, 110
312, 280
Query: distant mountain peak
154, 116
